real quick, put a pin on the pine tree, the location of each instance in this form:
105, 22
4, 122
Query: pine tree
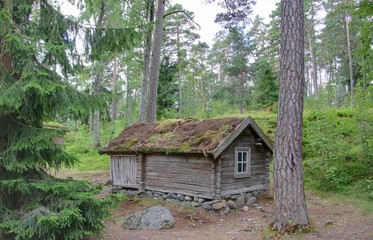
37, 58
289, 195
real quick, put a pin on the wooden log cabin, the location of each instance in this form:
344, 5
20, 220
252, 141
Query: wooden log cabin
211, 158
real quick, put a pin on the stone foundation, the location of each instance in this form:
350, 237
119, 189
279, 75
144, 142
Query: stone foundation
223, 205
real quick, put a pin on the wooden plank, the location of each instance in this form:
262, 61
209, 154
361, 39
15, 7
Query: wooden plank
218, 178
142, 161
213, 178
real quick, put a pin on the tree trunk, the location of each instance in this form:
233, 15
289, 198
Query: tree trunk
311, 37
289, 196
181, 110
145, 74
314, 67
97, 83
241, 88
155, 63
129, 98
96, 128
114, 103
349, 58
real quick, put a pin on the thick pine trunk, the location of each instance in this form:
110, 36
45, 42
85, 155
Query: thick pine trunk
290, 202
145, 75
155, 63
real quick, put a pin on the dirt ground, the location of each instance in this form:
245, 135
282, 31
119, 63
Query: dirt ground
330, 220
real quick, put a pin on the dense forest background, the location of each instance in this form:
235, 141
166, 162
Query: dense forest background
87, 77
238, 76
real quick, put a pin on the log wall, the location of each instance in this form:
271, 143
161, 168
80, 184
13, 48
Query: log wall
189, 175
259, 177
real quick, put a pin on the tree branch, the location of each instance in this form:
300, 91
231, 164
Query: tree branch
186, 14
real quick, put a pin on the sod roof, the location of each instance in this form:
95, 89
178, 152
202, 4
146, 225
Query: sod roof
207, 137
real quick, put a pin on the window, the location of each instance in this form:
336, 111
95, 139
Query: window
242, 162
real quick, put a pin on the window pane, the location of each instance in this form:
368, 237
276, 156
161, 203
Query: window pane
244, 156
239, 169
239, 157
244, 167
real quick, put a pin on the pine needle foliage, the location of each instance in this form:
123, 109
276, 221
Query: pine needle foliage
37, 57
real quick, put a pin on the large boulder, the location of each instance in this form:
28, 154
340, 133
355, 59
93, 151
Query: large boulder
156, 217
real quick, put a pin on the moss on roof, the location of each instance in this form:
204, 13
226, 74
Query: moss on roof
173, 136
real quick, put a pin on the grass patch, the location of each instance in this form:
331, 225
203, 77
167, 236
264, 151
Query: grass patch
78, 144
364, 206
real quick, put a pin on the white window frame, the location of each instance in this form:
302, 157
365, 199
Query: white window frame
240, 161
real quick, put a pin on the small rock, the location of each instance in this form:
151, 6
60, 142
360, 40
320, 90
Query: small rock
219, 205
206, 206
195, 204
224, 210
251, 201
245, 208
233, 197
180, 197
164, 196
170, 200
201, 200
149, 194
195, 199
124, 191
248, 196
188, 198
231, 204
240, 201
156, 194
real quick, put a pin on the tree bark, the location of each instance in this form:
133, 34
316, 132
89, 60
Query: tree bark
241, 88
314, 67
311, 35
129, 98
114, 103
155, 63
145, 74
352, 84
97, 83
181, 110
289, 196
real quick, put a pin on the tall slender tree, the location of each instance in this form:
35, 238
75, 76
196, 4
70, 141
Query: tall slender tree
289, 195
155, 62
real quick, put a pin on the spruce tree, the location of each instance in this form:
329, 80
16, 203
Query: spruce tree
37, 56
